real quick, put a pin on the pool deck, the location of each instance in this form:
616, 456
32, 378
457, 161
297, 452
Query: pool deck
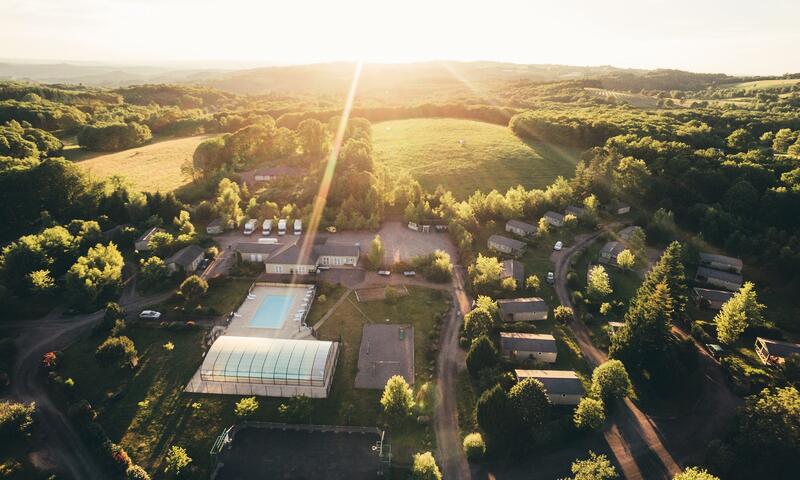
241, 323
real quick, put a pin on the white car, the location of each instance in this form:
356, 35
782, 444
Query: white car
410, 273
551, 278
558, 246
150, 315
384, 273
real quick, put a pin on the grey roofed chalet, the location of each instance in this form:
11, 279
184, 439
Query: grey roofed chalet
522, 305
779, 348
509, 242
185, 256
252, 247
709, 258
573, 210
725, 276
556, 382
528, 342
514, 269
528, 228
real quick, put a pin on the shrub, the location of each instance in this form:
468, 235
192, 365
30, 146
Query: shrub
474, 446
533, 283
397, 399
425, 467
177, 459
193, 288
16, 419
482, 354
562, 314
296, 410
135, 472
590, 414
246, 407
694, 473
477, 322
610, 381
117, 349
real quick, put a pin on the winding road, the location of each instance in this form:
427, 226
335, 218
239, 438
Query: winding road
61, 448
450, 362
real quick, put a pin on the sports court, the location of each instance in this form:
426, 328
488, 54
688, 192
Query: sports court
386, 350
273, 310
305, 452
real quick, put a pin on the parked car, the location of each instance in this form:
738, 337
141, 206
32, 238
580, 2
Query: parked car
324, 267
410, 273
551, 278
204, 263
558, 246
716, 351
384, 273
149, 315
331, 229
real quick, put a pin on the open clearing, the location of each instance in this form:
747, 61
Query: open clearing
150, 168
491, 156
763, 84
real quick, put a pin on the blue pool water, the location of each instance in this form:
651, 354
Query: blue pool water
272, 312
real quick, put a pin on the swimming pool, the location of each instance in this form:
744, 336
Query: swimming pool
273, 311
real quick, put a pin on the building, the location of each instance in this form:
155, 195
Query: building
775, 352
186, 259
613, 327
256, 252
555, 219
524, 347
626, 233
621, 208
142, 243
711, 299
608, 254
721, 262
522, 309
513, 269
270, 367
267, 174
717, 278
573, 210
289, 258
563, 387
521, 228
506, 245
215, 227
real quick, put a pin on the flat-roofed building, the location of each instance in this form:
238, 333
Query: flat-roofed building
721, 262
524, 347
563, 387
522, 309
727, 280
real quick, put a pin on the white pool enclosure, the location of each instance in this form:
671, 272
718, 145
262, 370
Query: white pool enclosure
272, 367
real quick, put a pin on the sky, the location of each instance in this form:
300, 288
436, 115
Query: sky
733, 36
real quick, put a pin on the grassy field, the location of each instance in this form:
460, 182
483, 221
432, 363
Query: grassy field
491, 156
153, 167
763, 84
146, 410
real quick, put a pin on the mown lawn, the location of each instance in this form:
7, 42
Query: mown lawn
490, 157
149, 168
146, 410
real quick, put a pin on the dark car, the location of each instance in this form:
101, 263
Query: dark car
203, 264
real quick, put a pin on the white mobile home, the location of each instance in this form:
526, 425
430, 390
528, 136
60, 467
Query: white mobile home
563, 387
524, 347
522, 309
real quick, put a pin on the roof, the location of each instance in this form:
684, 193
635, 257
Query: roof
149, 233
612, 249
217, 222
625, 233
253, 247
528, 342
556, 382
726, 276
720, 296
616, 324
509, 242
514, 269
522, 305
267, 360
338, 249
779, 348
290, 253
573, 210
280, 170
186, 255
524, 226
554, 215
732, 261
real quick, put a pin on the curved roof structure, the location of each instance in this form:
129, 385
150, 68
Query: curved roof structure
270, 361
